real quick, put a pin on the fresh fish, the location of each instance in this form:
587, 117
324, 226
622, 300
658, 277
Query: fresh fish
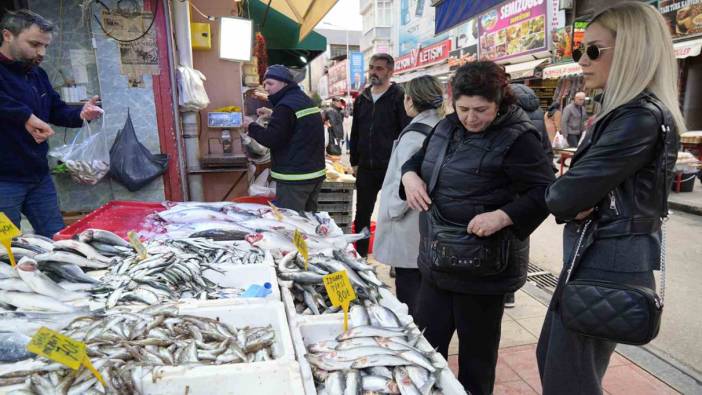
404, 382
359, 352
42, 242
271, 241
221, 234
383, 315
301, 277
382, 384
18, 253
192, 215
13, 347
418, 359
6, 271
26, 301
380, 371
66, 271
29, 322
67, 257
41, 284
379, 360
76, 287
102, 236
14, 284
83, 248
353, 383
370, 331
355, 264
23, 245
323, 346
335, 383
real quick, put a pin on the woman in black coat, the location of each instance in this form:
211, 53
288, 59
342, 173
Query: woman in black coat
487, 175
618, 181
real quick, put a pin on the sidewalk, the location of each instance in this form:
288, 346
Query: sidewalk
689, 202
517, 372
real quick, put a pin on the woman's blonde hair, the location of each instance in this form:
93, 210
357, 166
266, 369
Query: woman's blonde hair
643, 58
426, 94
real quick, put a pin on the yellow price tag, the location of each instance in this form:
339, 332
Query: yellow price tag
8, 231
140, 249
301, 245
339, 167
340, 292
62, 349
276, 211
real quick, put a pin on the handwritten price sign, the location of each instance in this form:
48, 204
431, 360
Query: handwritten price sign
340, 292
8, 231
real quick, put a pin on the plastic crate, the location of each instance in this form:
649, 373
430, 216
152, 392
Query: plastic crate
344, 208
335, 196
341, 219
338, 186
240, 277
117, 216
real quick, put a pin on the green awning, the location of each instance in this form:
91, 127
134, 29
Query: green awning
282, 34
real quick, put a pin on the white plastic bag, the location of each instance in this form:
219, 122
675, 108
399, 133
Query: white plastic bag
87, 157
191, 88
559, 142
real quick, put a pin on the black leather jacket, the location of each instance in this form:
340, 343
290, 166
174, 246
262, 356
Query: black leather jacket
620, 170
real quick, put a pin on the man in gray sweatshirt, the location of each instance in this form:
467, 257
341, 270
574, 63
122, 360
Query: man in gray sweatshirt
573, 119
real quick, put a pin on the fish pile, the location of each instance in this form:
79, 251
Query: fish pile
380, 353
306, 286
123, 341
28, 289
173, 270
87, 171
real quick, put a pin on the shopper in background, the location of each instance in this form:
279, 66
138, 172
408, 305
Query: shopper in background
573, 119
617, 179
487, 174
552, 120
295, 136
28, 104
397, 232
378, 118
335, 117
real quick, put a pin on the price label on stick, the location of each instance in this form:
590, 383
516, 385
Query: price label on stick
276, 212
340, 292
8, 231
301, 245
140, 249
62, 349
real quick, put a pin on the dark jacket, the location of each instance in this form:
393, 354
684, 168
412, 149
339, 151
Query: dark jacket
500, 168
295, 135
336, 120
529, 102
23, 92
376, 126
619, 170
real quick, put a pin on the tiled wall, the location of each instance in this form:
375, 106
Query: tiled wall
104, 80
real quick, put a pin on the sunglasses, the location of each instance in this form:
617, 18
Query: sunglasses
592, 51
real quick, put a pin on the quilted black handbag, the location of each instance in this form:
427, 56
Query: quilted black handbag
611, 311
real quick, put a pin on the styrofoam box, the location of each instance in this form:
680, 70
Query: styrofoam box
313, 331
279, 376
240, 276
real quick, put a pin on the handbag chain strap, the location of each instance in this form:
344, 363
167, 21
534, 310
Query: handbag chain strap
576, 253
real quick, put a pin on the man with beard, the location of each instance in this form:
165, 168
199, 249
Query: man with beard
378, 118
28, 104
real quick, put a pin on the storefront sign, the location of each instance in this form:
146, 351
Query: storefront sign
462, 56
687, 49
555, 72
417, 26
579, 33
562, 44
513, 29
338, 78
423, 57
357, 71
684, 17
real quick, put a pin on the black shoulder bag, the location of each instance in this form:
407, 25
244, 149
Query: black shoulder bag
611, 311
453, 249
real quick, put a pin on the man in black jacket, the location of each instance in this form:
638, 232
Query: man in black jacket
378, 118
295, 135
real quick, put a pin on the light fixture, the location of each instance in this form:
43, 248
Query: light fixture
303, 59
235, 39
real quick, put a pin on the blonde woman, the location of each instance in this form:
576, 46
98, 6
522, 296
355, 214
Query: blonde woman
618, 180
397, 236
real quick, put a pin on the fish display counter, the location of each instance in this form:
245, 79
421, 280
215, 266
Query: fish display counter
202, 297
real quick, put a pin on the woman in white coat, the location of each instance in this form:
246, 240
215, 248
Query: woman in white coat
397, 234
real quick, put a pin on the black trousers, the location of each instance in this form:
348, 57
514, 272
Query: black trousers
478, 321
298, 197
407, 283
573, 140
368, 184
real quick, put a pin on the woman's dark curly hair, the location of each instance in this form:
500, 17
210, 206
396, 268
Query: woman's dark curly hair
486, 79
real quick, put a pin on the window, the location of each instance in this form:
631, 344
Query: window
368, 20
384, 13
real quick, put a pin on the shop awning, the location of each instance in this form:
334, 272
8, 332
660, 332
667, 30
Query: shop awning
306, 13
560, 70
686, 49
524, 70
450, 13
282, 34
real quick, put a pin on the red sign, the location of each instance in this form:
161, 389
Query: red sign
421, 57
338, 79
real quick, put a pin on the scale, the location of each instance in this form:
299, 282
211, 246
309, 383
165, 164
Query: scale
224, 121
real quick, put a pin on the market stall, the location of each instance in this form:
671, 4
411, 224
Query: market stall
187, 297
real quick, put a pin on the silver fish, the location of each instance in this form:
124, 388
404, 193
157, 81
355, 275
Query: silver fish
26, 301
404, 382
102, 236
370, 331
41, 284
83, 248
379, 360
61, 256
14, 284
353, 383
13, 347
335, 383
381, 384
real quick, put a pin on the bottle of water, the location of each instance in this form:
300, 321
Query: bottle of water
226, 141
